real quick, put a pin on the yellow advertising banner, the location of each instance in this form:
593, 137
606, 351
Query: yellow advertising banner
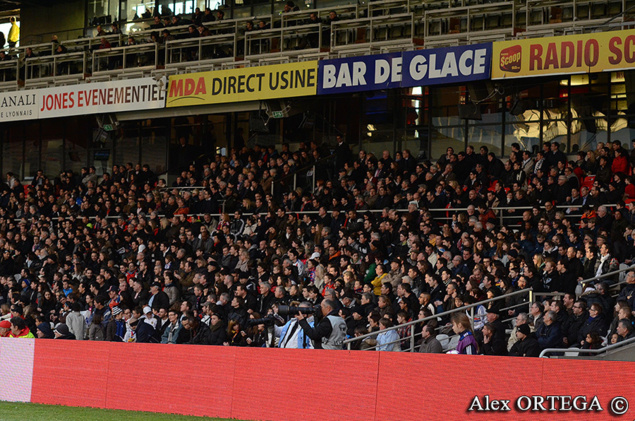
588, 53
245, 84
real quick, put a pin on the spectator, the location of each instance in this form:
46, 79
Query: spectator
624, 330
14, 33
5, 328
462, 327
594, 323
387, 340
526, 344
96, 330
549, 334
116, 327
330, 332
62, 332
76, 322
430, 344
44, 331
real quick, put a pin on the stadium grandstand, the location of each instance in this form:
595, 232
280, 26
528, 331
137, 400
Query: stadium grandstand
426, 177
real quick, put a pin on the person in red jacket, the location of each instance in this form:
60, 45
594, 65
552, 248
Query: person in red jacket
620, 163
19, 329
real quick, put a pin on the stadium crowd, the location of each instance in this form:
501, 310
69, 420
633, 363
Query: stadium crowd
380, 241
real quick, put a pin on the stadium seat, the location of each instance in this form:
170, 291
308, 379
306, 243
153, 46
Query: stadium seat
588, 181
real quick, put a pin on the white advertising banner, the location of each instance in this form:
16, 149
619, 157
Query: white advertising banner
101, 97
18, 105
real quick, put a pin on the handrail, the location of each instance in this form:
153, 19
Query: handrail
442, 314
471, 306
544, 352
299, 170
606, 275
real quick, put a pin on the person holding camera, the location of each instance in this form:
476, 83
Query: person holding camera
291, 334
330, 332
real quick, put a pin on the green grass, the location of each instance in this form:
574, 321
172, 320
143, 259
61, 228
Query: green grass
13, 411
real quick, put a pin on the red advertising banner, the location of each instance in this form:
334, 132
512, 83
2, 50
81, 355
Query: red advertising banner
274, 384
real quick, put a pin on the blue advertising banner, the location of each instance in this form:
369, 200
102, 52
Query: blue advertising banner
447, 65
355, 74
412, 68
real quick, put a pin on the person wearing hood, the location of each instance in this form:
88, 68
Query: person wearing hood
44, 331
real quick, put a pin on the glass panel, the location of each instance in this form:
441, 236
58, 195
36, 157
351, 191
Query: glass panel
447, 128
32, 149
245, 11
12, 148
417, 114
97, 7
154, 143
588, 132
484, 135
78, 137
100, 153
52, 147
127, 144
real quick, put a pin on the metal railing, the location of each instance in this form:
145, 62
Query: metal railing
412, 336
578, 351
200, 49
585, 282
301, 177
138, 57
531, 298
396, 25
285, 40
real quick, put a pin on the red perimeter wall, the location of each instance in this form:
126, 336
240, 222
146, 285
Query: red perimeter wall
273, 384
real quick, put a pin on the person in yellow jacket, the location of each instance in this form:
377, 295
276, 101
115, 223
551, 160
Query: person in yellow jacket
19, 328
14, 33
379, 279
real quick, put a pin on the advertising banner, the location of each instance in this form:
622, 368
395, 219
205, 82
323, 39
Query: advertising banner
438, 66
587, 53
244, 84
18, 105
412, 68
355, 74
101, 97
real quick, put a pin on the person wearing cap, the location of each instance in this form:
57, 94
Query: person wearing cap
116, 327
5, 329
113, 297
158, 298
148, 317
19, 328
131, 331
144, 331
496, 326
62, 332
526, 345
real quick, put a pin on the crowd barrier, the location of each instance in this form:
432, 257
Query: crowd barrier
273, 384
